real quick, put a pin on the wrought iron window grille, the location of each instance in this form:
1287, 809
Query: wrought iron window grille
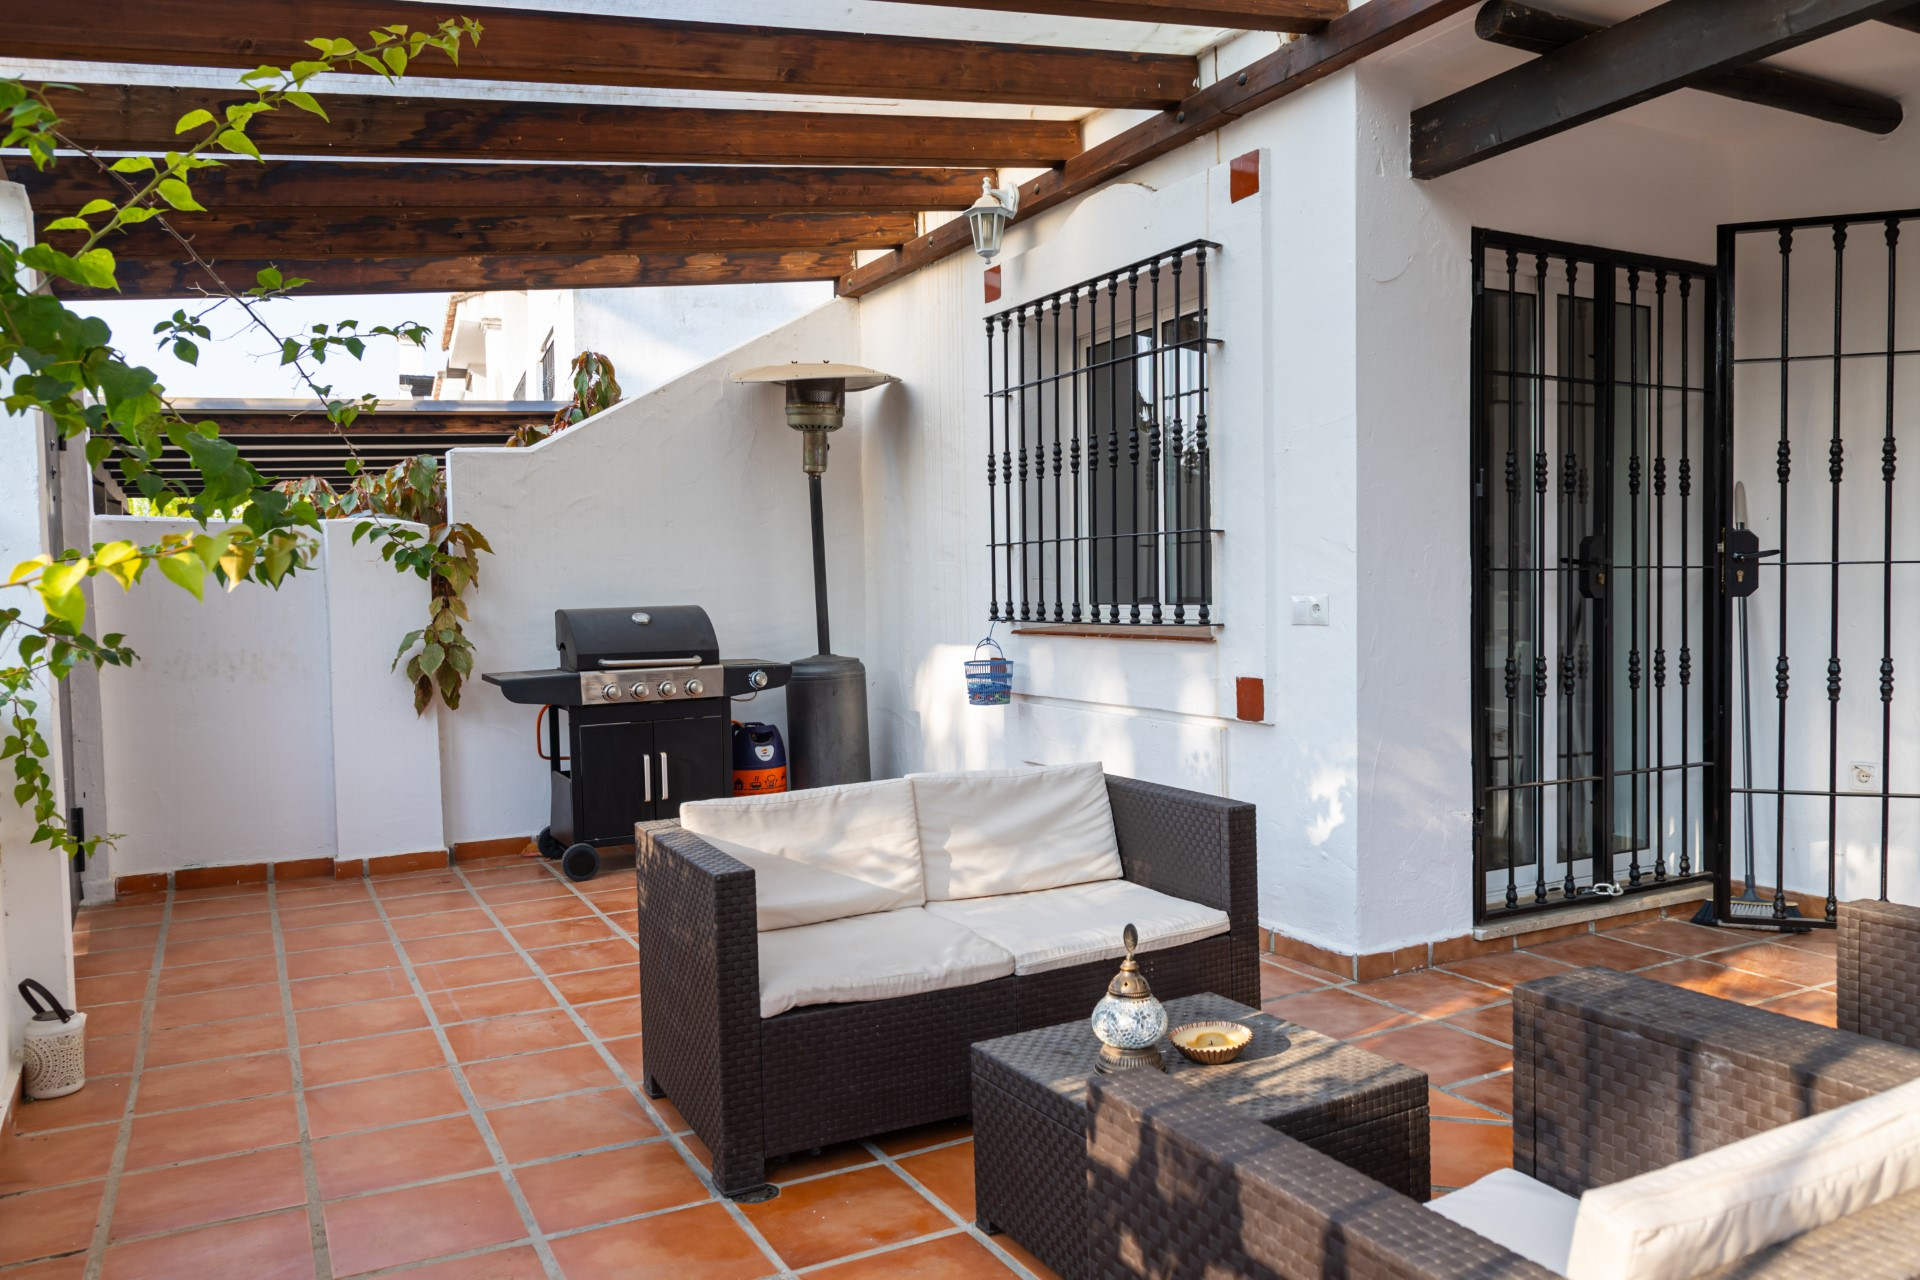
1099, 449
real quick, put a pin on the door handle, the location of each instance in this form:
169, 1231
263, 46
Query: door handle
665, 792
646, 772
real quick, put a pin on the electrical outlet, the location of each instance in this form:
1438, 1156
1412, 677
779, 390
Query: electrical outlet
1864, 775
1310, 611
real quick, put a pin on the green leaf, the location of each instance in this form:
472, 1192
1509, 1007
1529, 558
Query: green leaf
269, 277
430, 659
185, 570
186, 352
193, 120
306, 102
132, 164
67, 224
238, 143
92, 207
178, 194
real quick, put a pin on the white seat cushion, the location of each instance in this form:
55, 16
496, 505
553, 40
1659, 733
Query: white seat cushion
820, 854
999, 831
1055, 928
872, 957
1714, 1209
1514, 1211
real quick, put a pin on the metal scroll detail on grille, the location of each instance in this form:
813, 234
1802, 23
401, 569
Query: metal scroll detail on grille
1099, 457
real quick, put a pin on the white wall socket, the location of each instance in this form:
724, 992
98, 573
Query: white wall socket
1863, 775
1309, 611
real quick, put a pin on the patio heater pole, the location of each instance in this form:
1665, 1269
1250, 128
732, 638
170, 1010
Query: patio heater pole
819, 564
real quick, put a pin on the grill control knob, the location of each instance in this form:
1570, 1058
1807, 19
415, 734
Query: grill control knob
639, 689
611, 693
756, 679
666, 689
695, 688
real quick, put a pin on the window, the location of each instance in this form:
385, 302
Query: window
546, 370
1098, 452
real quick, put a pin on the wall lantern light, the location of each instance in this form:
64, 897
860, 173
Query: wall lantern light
989, 215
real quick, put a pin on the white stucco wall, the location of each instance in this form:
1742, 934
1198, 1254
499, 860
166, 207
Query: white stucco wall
690, 494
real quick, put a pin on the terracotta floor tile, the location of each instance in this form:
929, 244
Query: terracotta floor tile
221, 975
200, 1083
439, 924
561, 1126
1676, 936
1506, 968
1430, 993
120, 916
209, 908
369, 1104
1801, 967
1445, 1106
42, 1223
1444, 1053
114, 988
413, 1225
584, 1190
315, 892
671, 1117
621, 983
277, 1247
1337, 1012
100, 964
463, 1004
560, 933
519, 871
110, 1055
350, 1021
458, 946
32, 1161
387, 1055
1599, 950
327, 961
519, 1263
335, 914
612, 1018
843, 1213
216, 1040
1717, 980
334, 935
357, 1162
1276, 982
447, 974
240, 946
195, 1195
499, 895
584, 955
218, 1130
100, 1101
627, 1052
844, 1155
543, 910
538, 1075
429, 903
121, 1019
1495, 1023
1809, 1006
225, 927
628, 922
350, 988
948, 1173
415, 884
71, 1267
954, 1257
702, 1241
1464, 1151
920, 1137
1496, 1092
516, 1033
1823, 941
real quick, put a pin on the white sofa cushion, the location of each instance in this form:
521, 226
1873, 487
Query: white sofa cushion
1512, 1210
872, 957
820, 854
1717, 1208
1054, 928
1000, 831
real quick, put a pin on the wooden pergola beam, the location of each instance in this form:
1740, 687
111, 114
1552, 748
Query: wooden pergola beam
1296, 65
391, 422
1906, 19
291, 187
1249, 15
1521, 26
397, 234
160, 278
1649, 54
121, 117
595, 49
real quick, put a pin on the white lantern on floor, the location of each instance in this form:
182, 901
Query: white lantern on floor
54, 1045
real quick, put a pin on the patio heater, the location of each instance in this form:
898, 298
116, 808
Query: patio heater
827, 693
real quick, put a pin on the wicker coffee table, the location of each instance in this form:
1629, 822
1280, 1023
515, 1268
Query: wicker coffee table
1030, 1115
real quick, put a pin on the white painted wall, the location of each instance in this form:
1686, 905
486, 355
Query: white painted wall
690, 494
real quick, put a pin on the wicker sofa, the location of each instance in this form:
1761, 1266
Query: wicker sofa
1614, 1076
758, 1080
1879, 971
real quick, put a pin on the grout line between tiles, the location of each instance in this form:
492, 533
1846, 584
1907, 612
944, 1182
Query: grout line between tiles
316, 1220
968, 1228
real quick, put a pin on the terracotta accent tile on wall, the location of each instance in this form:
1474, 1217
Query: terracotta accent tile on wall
1243, 177
1307, 953
1466, 947
147, 882
1250, 699
394, 864
992, 278
502, 847
349, 868
215, 877
303, 869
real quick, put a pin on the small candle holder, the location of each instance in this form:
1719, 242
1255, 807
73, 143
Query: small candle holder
1128, 1022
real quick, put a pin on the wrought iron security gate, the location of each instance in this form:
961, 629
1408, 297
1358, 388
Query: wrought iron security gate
1593, 453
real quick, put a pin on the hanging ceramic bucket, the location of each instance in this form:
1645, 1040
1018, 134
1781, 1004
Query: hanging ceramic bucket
989, 679
55, 1045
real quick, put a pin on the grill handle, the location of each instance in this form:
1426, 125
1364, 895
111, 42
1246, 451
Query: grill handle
665, 793
646, 772
641, 664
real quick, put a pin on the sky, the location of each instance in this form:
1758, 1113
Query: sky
246, 362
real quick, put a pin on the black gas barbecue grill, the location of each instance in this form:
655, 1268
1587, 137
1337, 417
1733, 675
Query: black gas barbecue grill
644, 693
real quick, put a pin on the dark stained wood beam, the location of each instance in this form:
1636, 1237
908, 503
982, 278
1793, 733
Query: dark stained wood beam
594, 49
1249, 15
397, 234
1297, 65
1649, 54
289, 187
163, 278
1905, 19
1521, 26
141, 118
297, 422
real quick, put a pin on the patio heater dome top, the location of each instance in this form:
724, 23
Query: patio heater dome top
856, 377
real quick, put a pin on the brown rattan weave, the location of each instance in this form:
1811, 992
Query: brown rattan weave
1879, 971
755, 1088
1030, 1109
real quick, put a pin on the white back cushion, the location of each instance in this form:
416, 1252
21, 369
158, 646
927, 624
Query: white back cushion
1000, 831
1079, 923
1511, 1209
821, 854
1717, 1208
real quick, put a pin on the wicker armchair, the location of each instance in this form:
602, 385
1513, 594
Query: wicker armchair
755, 1088
1879, 971
1613, 1076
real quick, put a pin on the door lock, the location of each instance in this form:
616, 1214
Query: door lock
1743, 558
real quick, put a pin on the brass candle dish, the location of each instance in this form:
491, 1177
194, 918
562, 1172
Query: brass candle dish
1211, 1043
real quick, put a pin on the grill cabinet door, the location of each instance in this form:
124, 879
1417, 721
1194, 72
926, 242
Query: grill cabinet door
694, 755
612, 767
